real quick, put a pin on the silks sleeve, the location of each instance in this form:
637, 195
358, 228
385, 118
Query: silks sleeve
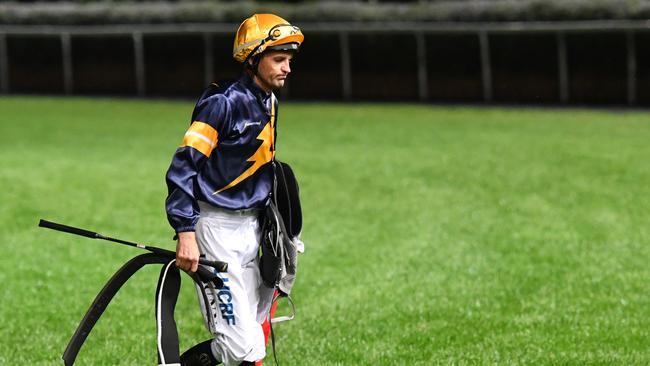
210, 119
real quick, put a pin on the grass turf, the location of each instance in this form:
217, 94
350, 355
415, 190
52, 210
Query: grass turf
435, 235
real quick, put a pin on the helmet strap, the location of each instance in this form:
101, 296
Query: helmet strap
252, 66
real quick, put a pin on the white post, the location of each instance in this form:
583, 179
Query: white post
345, 65
422, 66
66, 54
4, 65
631, 68
486, 68
138, 49
209, 58
562, 67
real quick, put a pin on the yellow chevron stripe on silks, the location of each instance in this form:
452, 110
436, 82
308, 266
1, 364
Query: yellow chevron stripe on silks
273, 108
202, 137
273, 122
263, 155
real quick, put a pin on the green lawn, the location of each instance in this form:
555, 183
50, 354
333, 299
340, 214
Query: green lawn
435, 235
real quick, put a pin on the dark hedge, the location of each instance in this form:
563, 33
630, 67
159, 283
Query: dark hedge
131, 12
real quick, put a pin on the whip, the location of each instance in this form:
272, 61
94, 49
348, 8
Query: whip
218, 265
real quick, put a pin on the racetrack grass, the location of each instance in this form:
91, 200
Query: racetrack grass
435, 235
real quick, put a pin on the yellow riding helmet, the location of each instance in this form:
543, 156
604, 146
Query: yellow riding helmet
265, 31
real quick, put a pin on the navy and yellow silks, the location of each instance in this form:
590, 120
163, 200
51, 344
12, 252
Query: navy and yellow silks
225, 154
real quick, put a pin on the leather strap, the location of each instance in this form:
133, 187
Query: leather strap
116, 282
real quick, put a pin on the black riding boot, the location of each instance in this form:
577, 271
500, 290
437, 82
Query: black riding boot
199, 355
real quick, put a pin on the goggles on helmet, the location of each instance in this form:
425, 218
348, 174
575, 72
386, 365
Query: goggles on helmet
282, 31
278, 32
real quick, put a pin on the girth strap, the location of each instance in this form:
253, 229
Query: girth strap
169, 283
102, 300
